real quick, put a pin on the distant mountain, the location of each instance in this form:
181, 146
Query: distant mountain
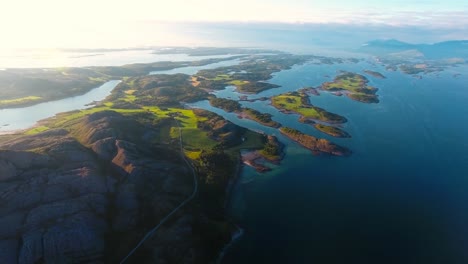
441, 50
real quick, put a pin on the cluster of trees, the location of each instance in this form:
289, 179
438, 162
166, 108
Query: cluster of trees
225, 104
262, 117
216, 166
272, 149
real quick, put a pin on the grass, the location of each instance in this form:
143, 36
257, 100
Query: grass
352, 82
193, 155
36, 130
294, 103
97, 79
131, 91
129, 98
196, 139
252, 140
238, 82
221, 77
20, 100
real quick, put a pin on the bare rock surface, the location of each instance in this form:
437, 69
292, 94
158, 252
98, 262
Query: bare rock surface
76, 197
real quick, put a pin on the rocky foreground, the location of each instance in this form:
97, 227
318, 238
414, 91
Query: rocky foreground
90, 195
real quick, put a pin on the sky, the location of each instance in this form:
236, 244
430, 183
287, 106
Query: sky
87, 23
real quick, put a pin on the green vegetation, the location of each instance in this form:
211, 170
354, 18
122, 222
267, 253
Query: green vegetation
227, 105
316, 145
36, 130
298, 102
355, 86
262, 118
18, 101
250, 75
332, 131
24, 87
144, 113
272, 150
150, 90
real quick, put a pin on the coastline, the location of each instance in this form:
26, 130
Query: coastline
238, 232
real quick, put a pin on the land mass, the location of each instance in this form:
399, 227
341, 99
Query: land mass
272, 152
298, 102
25, 87
213, 51
354, 86
316, 145
229, 105
108, 174
332, 131
375, 74
251, 75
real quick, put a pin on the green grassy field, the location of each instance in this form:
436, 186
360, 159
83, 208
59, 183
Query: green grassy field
355, 84
290, 102
194, 139
297, 102
16, 101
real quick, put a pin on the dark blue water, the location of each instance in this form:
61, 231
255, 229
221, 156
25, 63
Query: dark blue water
402, 197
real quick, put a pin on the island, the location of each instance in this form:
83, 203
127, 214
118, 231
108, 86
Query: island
251, 75
332, 131
316, 145
229, 105
375, 74
354, 86
262, 118
298, 103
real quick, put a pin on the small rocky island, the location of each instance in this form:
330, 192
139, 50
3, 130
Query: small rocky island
375, 74
316, 145
332, 131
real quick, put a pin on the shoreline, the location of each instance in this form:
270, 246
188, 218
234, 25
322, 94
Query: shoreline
237, 234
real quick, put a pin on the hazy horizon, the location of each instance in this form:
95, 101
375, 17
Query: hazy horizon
118, 24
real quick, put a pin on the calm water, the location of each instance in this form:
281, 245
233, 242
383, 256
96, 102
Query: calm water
25, 117
400, 198
190, 70
22, 118
56, 58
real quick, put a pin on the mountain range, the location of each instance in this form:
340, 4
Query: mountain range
440, 50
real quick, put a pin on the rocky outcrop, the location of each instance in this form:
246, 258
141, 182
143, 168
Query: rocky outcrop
86, 197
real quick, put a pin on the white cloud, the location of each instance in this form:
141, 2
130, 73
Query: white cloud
56, 23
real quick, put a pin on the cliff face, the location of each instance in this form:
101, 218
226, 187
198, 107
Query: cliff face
89, 196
